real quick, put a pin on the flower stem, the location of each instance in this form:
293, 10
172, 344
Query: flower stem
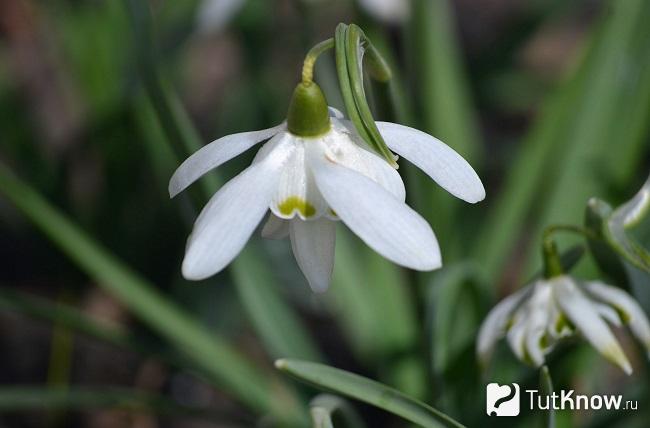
578, 230
312, 56
552, 263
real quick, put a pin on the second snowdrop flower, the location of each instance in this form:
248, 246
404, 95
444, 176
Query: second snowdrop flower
538, 316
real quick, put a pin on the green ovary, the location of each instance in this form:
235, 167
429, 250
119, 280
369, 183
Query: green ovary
295, 203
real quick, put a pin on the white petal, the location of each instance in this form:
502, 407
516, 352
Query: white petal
313, 247
275, 228
383, 222
297, 194
345, 147
495, 323
535, 331
634, 316
383, 173
584, 316
516, 336
214, 154
607, 313
231, 215
436, 159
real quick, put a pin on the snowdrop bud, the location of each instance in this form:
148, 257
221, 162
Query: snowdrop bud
308, 113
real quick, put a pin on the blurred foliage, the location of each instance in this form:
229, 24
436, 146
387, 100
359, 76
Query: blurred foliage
100, 101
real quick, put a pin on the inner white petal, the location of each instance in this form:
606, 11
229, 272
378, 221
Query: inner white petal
297, 194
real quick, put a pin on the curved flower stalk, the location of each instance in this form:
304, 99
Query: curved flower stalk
540, 315
314, 171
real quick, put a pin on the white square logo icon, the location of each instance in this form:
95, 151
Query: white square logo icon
502, 400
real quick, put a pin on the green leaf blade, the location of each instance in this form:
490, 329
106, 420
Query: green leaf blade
368, 391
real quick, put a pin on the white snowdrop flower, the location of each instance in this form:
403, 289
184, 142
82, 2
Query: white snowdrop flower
537, 317
389, 11
314, 171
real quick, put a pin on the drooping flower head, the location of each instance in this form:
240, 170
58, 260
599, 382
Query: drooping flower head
536, 318
313, 171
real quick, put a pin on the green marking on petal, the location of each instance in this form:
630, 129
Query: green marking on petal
295, 203
623, 314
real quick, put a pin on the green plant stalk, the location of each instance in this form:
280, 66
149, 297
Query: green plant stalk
546, 387
225, 365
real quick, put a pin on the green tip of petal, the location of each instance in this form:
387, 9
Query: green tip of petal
308, 114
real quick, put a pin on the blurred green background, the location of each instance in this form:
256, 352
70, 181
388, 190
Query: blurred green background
100, 100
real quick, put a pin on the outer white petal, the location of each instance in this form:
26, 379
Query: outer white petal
383, 222
384, 174
313, 246
214, 154
624, 303
345, 148
436, 159
214, 15
494, 325
231, 215
584, 316
275, 228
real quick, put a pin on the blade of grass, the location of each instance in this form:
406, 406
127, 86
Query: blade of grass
578, 176
559, 149
447, 113
366, 390
73, 319
23, 398
227, 367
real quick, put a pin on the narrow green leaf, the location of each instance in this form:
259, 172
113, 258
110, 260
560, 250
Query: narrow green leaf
442, 85
225, 366
366, 390
590, 144
73, 319
22, 398
555, 171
